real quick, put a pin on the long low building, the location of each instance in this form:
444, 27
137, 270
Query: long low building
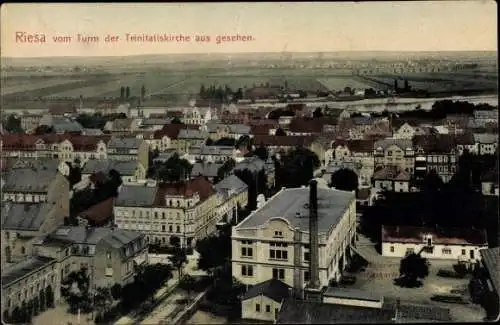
450, 244
273, 241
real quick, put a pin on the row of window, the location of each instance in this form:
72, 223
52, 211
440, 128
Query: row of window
278, 274
444, 251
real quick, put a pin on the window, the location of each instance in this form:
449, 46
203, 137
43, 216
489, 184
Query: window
247, 270
389, 153
170, 228
279, 274
278, 234
23, 250
392, 249
178, 228
246, 252
163, 228
446, 251
257, 308
307, 256
163, 215
410, 251
268, 308
108, 255
156, 215
278, 254
307, 276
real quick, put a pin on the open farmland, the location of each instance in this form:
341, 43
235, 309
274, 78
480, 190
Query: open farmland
19, 86
339, 83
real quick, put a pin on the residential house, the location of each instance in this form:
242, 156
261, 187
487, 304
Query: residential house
229, 117
23, 223
394, 152
465, 141
109, 254
130, 171
122, 126
29, 122
436, 152
263, 301
34, 278
125, 149
309, 126
63, 110
486, 144
283, 143
80, 148
391, 178
207, 169
232, 193
487, 116
211, 153
256, 165
167, 137
187, 139
359, 126
153, 124
353, 151
461, 245
165, 156
364, 178
198, 115
187, 211
273, 241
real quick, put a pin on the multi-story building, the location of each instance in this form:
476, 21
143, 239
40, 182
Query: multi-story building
209, 170
391, 178
486, 143
198, 115
187, 139
451, 244
217, 130
187, 211
233, 195
435, 152
273, 241
126, 149
34, 280
130, 171
122, 126
394, 152
211, 153
108, 254
30, 122
23, 223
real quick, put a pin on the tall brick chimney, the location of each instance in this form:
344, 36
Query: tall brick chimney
313, 288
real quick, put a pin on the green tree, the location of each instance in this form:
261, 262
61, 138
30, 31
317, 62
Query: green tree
413, 267
44, 129
176, 120
262, 152
116, 291
187, 283
209, 142
317, 112
13, 124
173, 170
178, 259
344, 179
280, 132
225, 170
214, 251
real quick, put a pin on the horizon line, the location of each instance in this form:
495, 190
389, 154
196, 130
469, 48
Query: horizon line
241, 53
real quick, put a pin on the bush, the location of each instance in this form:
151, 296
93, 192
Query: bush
460, 269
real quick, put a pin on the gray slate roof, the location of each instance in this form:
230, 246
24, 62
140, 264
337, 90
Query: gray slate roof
485, 138
124, 143
125, 168
347, 293
63, 124
491, 260
191, 134
401, 143
92, 132
301, 312
206, 169
136, 196
24, 216
29, 180
19, 270
82, 235
290, 202
165, 156
273, 289
254, 164
231, 183
213, 151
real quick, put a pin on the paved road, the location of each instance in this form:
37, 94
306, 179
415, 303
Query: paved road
167, 309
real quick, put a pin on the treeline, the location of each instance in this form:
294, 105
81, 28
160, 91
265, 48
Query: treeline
440, 109
219, 94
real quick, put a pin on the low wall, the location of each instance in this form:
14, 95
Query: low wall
187, 313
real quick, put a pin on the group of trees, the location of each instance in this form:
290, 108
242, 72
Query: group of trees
84, 199
13, 124
97, 120
215, 251
173, 170
29, 309
296, 168
224, 170
125, 92
345, 180
218, 93
75, 289
279, 112
413, 267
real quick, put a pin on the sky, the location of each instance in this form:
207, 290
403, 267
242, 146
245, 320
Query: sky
274, 27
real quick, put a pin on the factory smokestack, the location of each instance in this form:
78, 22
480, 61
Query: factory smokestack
313, 289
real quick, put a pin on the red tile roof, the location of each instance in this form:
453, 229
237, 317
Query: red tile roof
172, 130
99, 213
450, 236
315, 125
283, 141
198, 185
261, 129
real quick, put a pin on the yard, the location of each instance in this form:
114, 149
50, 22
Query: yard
378, 278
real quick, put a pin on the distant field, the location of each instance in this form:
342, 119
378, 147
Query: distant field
340, 83
27, 85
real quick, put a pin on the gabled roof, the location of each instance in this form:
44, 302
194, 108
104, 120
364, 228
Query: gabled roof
24, 216
231, 183
403, 144
136, 196
29, 180
124, 143
253, 164
199, 185
206, 169
99, 213
273, 289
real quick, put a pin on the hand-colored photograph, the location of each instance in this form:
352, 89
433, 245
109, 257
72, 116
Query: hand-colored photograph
249, 163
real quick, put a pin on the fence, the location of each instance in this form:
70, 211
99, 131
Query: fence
182, 317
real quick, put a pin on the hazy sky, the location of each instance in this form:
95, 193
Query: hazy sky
295, 27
